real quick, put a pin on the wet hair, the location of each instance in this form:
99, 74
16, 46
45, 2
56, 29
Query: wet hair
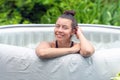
70, 15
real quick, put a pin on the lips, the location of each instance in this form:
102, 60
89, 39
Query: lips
59, 36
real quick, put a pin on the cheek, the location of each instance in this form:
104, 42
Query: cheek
69, 34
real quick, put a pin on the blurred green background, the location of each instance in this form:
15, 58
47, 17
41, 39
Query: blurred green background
46, 11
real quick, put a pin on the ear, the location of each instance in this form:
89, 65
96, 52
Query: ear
73, 31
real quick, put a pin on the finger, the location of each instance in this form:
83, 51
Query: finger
77, 36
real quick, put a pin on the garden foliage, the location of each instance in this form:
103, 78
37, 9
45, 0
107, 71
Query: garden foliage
46, 11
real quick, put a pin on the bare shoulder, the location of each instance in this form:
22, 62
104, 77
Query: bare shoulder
52, 44
44, 44
76, 43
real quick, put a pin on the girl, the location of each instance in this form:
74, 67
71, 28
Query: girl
65, 27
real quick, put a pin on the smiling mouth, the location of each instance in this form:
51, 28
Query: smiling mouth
59, 36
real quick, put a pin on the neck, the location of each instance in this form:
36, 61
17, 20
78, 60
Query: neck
63, 44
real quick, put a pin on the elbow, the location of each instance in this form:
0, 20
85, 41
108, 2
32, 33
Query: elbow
40, 53
87, 52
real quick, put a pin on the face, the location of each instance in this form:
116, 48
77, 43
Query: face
63, 29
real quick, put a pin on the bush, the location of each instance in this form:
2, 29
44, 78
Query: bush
46, 11
117, 77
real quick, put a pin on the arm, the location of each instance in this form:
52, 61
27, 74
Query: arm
86, 48
44, 50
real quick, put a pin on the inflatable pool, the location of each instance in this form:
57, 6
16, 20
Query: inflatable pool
29, 35
18, 60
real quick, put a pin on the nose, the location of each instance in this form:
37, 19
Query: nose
60, 29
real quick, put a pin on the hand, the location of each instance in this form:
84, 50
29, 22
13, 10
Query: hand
78, 32
76, 48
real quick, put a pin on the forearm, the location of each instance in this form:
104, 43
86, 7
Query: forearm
86, 47
53, 52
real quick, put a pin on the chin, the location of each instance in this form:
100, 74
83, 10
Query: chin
59, 39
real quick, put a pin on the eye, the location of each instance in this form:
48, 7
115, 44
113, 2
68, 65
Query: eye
65, 27
57, 26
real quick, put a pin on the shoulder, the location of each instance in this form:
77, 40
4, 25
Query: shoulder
46, 44
43, 44
75, 43
52, 44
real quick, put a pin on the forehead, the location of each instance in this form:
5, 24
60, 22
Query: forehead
63, 21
